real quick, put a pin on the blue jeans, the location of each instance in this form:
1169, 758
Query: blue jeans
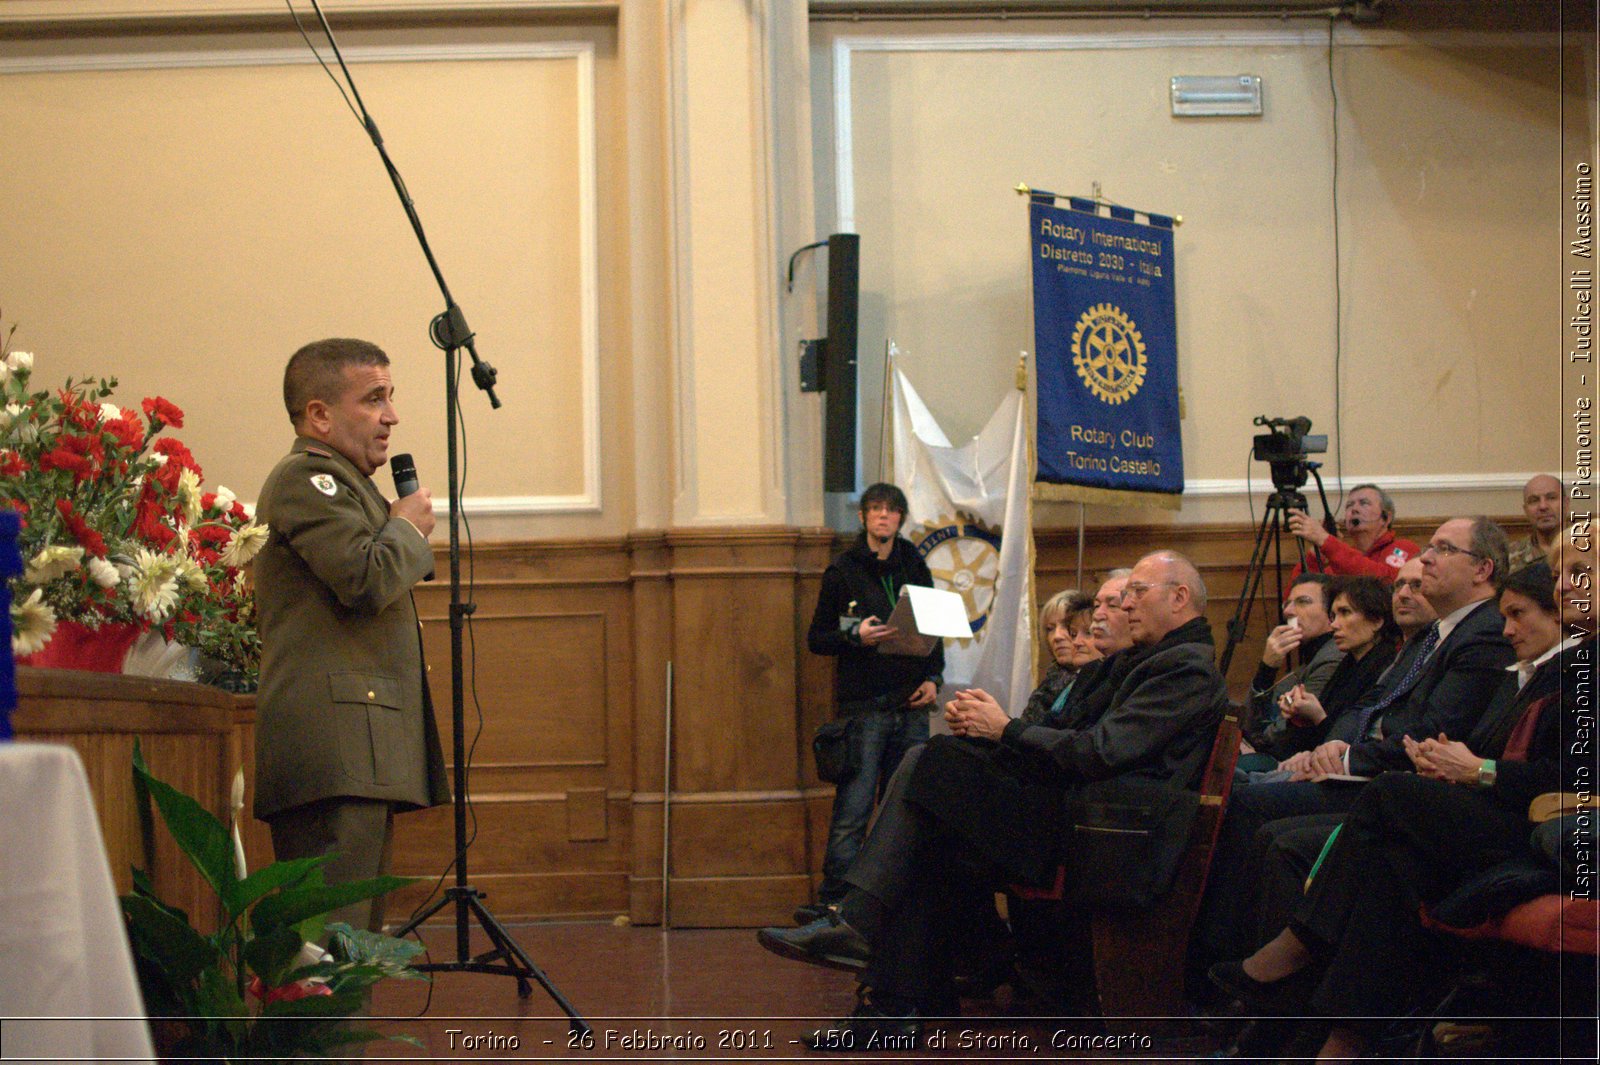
882, 737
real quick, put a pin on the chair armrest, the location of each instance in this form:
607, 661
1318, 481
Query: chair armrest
1553, 804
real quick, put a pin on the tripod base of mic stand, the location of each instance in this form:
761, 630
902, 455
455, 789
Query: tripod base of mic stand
506, 959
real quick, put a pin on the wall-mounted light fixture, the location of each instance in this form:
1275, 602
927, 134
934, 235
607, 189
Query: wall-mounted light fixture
1195, 95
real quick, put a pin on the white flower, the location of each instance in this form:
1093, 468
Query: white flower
104, 573
225, 497
13, 416
54, 561
155, 584
19, 360
189, 496
32, 624
110, 412
244, 544
158, 458
250, 511
190, 573
5, 373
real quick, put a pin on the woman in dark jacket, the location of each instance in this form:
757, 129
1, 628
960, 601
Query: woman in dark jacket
1364, 629
1064, 620
1357, 945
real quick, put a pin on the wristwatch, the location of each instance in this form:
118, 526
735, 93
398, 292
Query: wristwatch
1486, 773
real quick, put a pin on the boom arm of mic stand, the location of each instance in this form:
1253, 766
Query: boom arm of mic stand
450, 332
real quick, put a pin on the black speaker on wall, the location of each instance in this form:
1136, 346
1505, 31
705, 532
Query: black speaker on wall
839, 364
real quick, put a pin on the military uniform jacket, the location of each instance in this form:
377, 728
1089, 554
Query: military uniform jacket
343, 709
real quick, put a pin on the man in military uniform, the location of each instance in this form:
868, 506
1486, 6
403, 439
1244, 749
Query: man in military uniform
346, 733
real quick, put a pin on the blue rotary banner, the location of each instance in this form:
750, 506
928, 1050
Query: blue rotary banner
1106, 332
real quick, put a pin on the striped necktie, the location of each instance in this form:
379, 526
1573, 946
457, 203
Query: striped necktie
1430, 640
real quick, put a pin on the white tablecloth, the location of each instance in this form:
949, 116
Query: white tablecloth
67, 985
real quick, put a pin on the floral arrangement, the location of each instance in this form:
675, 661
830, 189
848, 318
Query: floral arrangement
115, 526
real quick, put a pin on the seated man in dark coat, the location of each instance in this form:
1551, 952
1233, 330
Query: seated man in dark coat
959, 818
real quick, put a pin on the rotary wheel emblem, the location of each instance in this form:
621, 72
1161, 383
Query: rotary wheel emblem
1108, 352
963, 554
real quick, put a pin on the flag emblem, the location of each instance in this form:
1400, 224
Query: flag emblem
963, 554
324, 483
1108, 351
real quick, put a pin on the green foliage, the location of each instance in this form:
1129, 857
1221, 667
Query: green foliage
224, 993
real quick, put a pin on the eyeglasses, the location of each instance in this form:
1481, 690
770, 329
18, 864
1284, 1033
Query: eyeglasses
1444, 549
1136, 589
1302, 600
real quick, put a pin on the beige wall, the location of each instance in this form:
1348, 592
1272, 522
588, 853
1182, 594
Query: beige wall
189, 222
1449, 189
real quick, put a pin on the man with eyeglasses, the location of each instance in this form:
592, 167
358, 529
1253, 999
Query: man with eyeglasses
960, 818
1450, 673
1367, 546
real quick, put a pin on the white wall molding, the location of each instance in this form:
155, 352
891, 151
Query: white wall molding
1398, 484
582, 55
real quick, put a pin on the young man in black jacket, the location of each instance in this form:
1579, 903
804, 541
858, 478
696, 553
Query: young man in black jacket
886, 697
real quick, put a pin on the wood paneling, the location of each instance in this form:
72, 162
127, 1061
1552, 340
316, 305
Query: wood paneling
186, 734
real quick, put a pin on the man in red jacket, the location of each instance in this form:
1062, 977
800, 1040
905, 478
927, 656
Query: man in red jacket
1368, 547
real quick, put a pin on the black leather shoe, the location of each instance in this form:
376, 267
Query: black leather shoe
868, 1029
1276, 998
827, 941
810, 912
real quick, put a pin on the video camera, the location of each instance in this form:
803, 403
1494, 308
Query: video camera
1285, 447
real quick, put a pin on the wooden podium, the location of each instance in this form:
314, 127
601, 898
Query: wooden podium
193, 737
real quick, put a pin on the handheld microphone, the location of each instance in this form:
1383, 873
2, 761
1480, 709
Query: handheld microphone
404, 470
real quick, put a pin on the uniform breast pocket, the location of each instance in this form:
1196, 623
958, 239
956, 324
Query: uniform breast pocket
370, 725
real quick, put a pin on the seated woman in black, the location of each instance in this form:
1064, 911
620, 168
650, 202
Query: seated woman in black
1364, 629
1064, 619
1356, 950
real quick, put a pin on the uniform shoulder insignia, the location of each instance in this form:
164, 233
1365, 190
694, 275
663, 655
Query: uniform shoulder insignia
324, 483
319, 452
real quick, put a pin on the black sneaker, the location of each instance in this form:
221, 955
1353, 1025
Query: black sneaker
827, 941
810, 912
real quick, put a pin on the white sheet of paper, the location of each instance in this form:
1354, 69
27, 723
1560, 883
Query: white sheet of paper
939, 613
923, 616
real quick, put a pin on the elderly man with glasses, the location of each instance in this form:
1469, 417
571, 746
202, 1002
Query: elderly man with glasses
960, 818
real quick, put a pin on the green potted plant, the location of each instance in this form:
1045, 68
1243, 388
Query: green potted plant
247, 991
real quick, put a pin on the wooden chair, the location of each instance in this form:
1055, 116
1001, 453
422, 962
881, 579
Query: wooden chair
1139, 955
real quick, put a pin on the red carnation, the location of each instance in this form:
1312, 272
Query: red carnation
162, 413
63, 458
126, 431
176, 452
92, 541
12, 464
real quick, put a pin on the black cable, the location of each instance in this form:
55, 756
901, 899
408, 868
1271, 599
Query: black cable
1338, 290
336, 83
472, 639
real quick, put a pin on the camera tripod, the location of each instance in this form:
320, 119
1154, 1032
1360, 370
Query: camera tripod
1269, 538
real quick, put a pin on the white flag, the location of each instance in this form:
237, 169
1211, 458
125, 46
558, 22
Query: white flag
970, 518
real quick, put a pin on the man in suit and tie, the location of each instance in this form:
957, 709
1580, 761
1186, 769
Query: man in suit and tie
346, 733
1441, 683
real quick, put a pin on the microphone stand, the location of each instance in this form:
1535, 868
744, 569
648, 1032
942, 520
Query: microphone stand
449, 332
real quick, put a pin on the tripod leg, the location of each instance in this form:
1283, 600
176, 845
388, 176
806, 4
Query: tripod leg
416, 922
523, 966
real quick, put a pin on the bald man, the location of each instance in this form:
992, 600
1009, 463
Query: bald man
1542, 497
959, 818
